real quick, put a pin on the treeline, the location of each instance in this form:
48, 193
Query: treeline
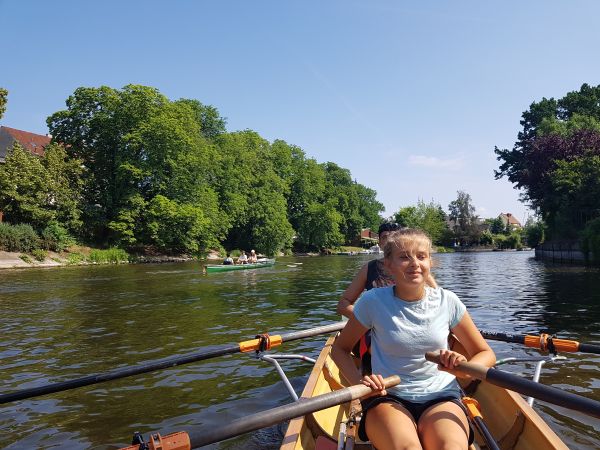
556, 163
461, 227
131, 168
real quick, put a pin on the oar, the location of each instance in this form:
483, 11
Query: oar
270, 417
265, 342
526, 387
543, 342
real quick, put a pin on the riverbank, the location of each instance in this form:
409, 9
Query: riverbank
18, 260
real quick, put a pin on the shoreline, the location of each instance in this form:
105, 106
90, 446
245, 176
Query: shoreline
14, 260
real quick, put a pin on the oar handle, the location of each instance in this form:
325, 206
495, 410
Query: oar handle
524, 386
473, 370
270, 417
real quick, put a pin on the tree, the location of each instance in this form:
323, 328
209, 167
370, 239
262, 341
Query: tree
321, 227
534, 233
553, 131
429, 217
354, 202
136, 145
256, 205
462, 213
3, 101
63, 186
23, 189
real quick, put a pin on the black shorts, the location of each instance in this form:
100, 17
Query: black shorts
416, 409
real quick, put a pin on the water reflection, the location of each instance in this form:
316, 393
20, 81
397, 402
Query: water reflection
63, 323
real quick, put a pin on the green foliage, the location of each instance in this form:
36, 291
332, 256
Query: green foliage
23, 192
512, 240
75, 258
3, 101
428, 217
534, 233
180, 227
496, 226
63, 186
321, 229
39, 254
590, 240
166, 173
462, 214
38, 190
110, 256
18, 238
26, 258
56, 237
486, 238
555, 160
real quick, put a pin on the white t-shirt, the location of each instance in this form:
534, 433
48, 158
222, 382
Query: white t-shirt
401, 334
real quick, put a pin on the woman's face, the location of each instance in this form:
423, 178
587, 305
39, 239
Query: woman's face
409, 267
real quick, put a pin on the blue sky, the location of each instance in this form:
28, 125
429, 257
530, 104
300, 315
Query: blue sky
411, 97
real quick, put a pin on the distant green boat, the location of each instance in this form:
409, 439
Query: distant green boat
226, 268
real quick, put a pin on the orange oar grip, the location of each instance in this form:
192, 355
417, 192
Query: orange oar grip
254, 344
541, 342
565, 345
472, 406
532, 341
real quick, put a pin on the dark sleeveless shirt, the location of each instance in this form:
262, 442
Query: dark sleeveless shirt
377, 276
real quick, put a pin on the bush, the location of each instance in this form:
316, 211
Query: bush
39, 254
535, 234
26, 258
109, 256
590, 240
18, 238
75, 258
56, 237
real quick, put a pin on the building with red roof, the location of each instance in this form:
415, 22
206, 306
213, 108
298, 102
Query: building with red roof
35, 143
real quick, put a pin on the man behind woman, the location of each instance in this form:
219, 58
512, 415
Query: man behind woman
407, 319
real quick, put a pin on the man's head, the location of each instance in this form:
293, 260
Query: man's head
384, 231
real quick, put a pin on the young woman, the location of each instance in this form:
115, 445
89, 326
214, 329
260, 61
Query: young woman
407, 320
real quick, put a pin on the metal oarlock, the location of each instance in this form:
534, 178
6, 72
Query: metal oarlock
539, 360
272, 359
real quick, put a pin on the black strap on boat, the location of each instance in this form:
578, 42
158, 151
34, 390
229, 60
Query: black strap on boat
546, 344
473, 411
551, 347
264, 342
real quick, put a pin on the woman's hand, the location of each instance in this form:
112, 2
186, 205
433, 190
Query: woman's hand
375, 382
449, 360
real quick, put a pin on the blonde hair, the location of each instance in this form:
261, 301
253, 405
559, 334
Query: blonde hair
410, 240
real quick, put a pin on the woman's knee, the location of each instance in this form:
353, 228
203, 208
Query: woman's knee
390, 426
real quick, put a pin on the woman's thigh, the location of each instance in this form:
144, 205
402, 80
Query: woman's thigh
391, 426
444, 425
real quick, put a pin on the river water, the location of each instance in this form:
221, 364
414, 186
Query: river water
62, 323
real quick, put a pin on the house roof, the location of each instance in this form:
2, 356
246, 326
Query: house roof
35, 143
510, 218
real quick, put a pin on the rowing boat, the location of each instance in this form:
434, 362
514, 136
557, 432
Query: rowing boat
509, 418
227, 268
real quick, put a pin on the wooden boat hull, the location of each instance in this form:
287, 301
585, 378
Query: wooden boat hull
512, 422
227, 268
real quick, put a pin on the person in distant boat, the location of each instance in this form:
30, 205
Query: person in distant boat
408, 319
371, 275
243, 258
228, 261
252, 259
